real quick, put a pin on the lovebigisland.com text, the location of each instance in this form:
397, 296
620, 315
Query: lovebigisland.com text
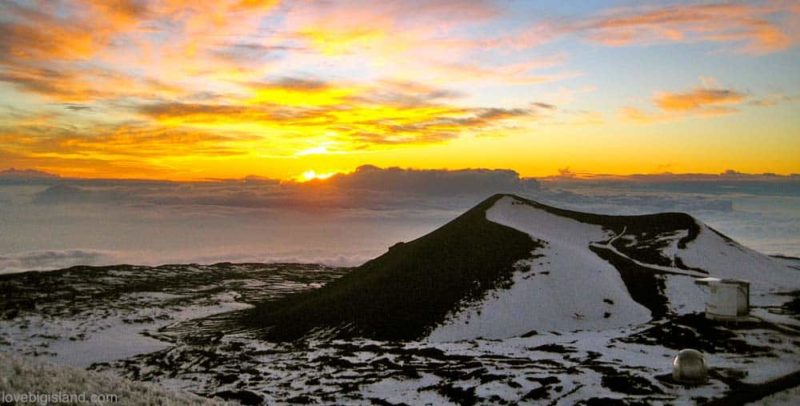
54, 398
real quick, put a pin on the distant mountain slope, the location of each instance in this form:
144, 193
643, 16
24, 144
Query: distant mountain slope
408, 290
512, 266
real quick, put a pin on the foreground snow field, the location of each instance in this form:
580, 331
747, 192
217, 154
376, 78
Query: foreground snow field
22, 376
593, 314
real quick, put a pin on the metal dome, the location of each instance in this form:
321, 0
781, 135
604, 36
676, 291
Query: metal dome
689, 366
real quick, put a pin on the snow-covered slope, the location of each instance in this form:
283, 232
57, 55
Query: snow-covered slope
725, 258
600, 272
568, 287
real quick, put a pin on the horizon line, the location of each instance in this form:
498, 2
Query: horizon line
33, 173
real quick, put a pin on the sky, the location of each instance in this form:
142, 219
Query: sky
182, 90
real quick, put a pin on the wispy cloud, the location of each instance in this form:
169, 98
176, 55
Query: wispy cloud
353, 116
751, 27
112, 150
701, 101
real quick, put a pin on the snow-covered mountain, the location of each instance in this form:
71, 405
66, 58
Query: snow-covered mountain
512, 266
600, 272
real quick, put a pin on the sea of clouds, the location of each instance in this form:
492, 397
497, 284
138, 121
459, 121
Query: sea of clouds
51, 223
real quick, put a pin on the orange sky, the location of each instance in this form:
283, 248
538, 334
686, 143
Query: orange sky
192, 90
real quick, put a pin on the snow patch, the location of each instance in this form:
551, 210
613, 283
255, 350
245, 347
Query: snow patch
724, 258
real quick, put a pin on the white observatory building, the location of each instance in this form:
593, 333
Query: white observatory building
728, 299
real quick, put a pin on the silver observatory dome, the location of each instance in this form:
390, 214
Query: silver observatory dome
689, 366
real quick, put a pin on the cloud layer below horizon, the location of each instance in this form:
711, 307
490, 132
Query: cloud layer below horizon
51, 222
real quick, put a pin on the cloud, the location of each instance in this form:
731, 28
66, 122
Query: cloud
77, 107
57, 84
408, 93
774, 99
753, 28
368, 187
253, 53
100, 150
53, 259
429, 41
133, 140
622, 198
59, 194
508, 73
433, 182
544, 106
702, 101
69, 83
66, 36
744, 27
84, 50
348, 218
378, 27
345, 116
12, 176
227, 41
730, 181
351, 127
639, 116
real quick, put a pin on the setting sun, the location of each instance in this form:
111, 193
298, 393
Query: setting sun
312, 175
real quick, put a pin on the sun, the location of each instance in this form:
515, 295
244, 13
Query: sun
310, 175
